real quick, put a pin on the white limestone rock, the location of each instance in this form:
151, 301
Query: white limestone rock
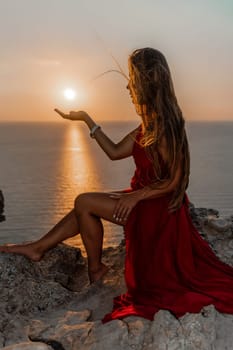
224, 332
164, 333
219, 225
52, 304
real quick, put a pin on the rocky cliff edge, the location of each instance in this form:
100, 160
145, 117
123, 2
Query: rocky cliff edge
50, 304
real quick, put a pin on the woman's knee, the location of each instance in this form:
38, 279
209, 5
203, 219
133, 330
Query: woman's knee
81, 203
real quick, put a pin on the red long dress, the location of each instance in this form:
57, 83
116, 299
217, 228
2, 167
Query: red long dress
168, 265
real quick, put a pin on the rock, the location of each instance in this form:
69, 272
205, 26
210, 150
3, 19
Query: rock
27, 286
224, 334
66, 330
137, 329
218, 224
28, 346
52, 304
199, 331
2, 217
165, 333
13, 329
199, 215
112, 335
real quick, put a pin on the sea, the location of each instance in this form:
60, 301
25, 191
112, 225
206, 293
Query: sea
44, 166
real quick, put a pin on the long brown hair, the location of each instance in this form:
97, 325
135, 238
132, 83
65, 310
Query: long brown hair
161, 116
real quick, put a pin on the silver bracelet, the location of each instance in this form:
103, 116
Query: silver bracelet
93, 130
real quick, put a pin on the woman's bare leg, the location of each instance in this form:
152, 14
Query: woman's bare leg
84, 219
66, 228
90, 207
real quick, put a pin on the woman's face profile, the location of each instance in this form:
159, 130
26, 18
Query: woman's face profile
131, 86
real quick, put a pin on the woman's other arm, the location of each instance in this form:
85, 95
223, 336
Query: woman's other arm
127, 201
114, 151
168, 185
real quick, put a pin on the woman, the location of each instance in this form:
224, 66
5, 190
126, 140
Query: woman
168, 265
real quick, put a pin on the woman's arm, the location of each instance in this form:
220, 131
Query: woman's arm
170, 184
166, 187
114, 151
127, 201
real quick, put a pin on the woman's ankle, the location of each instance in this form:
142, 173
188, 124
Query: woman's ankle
97, 272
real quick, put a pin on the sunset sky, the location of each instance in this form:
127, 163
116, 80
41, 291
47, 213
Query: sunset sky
50, 45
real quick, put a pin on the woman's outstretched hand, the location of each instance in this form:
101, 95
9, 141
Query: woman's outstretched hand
80, 115
125, 203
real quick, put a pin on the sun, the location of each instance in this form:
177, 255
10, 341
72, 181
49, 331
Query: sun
69, 94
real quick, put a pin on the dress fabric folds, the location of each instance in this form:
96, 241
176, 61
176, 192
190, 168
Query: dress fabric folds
168, 265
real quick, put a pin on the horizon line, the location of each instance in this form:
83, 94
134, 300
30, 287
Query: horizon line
108, 121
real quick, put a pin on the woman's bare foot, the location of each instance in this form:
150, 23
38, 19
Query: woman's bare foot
29, 250
98, 274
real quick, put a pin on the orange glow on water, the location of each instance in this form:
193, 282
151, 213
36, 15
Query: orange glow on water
74, 166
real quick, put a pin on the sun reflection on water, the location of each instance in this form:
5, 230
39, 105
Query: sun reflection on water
76, 174
77, 160
80, 170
